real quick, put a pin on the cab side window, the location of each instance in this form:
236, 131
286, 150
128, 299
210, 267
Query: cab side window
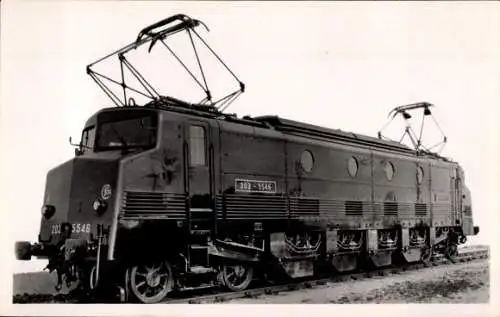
88, 138
197, 145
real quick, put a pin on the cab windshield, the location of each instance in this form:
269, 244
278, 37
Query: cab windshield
126, 131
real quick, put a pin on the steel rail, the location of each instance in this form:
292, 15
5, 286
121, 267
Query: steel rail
464, 256
222, 296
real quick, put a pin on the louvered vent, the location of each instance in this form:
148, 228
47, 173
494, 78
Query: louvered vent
152, 203
304, 207
420, 210
353, 208
251, 206
390, 208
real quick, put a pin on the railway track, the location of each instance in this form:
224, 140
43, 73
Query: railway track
463, 256
217, 296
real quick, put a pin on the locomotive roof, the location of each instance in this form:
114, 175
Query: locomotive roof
285, 126
306, 129
292, 127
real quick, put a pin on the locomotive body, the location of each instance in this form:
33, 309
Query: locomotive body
187, 186
169, 195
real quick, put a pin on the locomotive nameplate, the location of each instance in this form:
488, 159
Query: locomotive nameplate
254, 186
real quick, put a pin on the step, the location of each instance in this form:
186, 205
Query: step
198, 247
200, 232
201, 270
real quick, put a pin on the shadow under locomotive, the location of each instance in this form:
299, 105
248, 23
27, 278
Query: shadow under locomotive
172, 195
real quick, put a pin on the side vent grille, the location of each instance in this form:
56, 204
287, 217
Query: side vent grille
304, 207
390, 208
148, 203
420, 210
353, 208
251, 206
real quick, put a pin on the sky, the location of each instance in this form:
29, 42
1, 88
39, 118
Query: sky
337, 64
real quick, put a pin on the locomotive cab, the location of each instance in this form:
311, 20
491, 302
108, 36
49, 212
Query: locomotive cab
81, 198
129, 129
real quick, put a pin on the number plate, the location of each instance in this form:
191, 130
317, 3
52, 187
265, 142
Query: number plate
76, 228
254, 186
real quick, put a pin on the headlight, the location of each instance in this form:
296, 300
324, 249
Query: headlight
106, 192
48, 211
99, 206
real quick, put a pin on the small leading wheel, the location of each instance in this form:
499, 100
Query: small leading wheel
236, 277
150, 283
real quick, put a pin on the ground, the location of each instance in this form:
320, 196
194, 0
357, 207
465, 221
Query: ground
461, 283
34, 283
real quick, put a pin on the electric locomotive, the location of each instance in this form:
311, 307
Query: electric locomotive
170, 195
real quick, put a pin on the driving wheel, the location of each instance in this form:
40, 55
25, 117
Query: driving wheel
236, 277
150, 283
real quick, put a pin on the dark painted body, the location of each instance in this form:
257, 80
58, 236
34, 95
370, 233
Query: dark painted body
159, 180
211, 177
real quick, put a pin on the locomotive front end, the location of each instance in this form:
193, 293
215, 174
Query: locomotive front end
468, 220
81, 196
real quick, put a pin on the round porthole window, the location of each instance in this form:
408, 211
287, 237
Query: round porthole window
389, 171
420, 174
352, 166
307, 161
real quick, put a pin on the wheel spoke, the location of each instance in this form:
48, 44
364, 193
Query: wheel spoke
142, 270
237, 281
142, 279
154, 269
237, 277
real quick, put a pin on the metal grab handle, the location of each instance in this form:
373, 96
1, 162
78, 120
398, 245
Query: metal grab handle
186, 22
